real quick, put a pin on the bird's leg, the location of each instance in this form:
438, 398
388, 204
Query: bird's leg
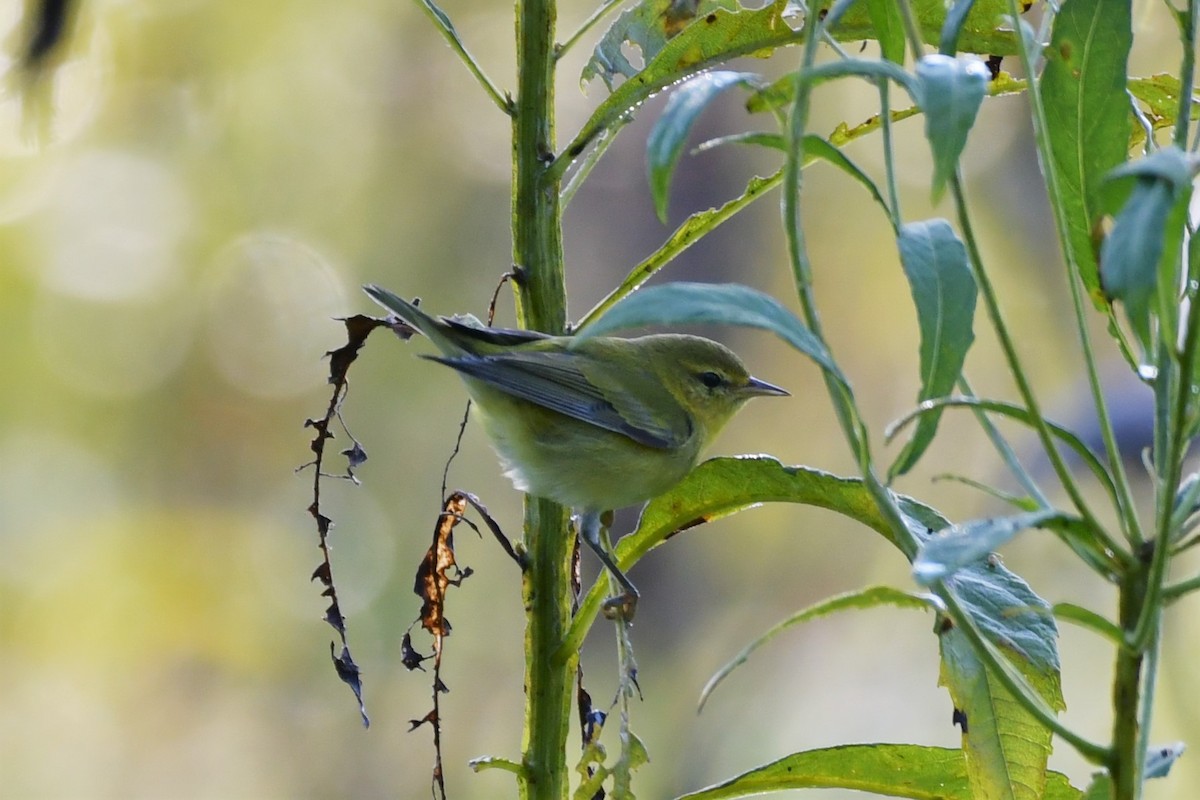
622, 605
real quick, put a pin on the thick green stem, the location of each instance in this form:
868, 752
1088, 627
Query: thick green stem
541, 305
1125, 767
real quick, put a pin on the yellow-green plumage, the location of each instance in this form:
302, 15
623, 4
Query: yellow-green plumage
595, 424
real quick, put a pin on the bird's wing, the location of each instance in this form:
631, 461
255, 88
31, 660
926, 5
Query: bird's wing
555, 381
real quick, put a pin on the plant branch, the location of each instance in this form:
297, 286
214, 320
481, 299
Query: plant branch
442, 22
600, 13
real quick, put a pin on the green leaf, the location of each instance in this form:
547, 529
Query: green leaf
889, 28
1006, 747
701, 223
1101, 787
1168, 165
780, 93
671, 131
685, 303
1013, 618
1159, 95
1065, 435
950, 92
722, 35
943, 290
966, 543
896, 770
1083, 90
719, 487
955, 19
1086, 618
1142, 246
773, 141
864, 598
648, 26
820, 148
687, 234
815, 148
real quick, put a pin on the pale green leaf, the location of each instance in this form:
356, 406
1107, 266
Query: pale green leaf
959, 545
684, 303
944, 292
911, 771
670, 132
862, 599
950, 92
1083, 89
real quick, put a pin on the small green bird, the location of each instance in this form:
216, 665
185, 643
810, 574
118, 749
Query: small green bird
594, 424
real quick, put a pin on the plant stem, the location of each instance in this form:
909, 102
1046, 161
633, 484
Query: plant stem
1125, 765
1015, 368
1041, 130
541, 305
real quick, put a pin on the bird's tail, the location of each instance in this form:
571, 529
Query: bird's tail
435, 329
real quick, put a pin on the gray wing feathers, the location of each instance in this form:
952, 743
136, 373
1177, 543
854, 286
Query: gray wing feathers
552, 381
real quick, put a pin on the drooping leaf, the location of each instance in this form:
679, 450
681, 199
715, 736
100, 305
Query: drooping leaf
1022, 415
952, 549
1006, 747
1083, 89
821, 148
956, 17
943, 290
686, 303
911, 771
1146, 234
670, 132
701, 223
889, 28
950, 92
862, 599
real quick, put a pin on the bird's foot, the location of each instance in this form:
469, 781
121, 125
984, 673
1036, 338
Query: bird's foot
620, 607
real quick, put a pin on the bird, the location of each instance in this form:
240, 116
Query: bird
593, 424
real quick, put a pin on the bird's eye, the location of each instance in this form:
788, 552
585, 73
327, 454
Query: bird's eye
711, 379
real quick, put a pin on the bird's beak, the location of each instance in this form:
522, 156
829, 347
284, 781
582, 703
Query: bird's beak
756, 388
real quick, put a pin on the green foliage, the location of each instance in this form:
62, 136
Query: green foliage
722, 304
997, 638
950, 92
1083, 87
670, 132
943, 289
896, 770
1144, 243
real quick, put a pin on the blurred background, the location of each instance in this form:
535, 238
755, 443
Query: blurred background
180, 223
